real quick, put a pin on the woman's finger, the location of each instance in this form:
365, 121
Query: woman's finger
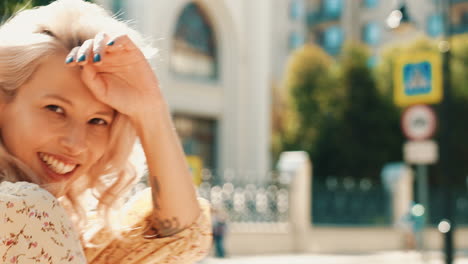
71, 57
84, 52
93, 81
119, 43
99, 45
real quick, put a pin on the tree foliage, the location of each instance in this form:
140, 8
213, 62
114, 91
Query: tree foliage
369, 134
342, 112
311, 86
341, 119
10, 7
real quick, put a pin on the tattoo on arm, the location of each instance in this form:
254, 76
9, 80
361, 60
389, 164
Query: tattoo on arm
160, 227
163, 228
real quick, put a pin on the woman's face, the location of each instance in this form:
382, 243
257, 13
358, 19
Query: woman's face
55, 125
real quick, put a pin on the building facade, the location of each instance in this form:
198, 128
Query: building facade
220, 59
333, 22
215, 69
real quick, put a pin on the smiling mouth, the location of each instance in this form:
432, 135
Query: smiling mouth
57, 166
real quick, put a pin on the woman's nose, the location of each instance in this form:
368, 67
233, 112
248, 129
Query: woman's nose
74, 140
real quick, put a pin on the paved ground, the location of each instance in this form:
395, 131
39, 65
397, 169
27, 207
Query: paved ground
376, 258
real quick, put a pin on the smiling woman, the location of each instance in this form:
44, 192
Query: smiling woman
70, 119
76, 91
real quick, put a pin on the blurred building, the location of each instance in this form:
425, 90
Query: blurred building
220, 59
215, 68
333, 22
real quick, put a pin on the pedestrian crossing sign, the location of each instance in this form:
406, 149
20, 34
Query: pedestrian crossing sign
418, 79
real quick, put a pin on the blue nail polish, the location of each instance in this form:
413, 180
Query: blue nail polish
97, 57
69, 60
110, 43
81, 58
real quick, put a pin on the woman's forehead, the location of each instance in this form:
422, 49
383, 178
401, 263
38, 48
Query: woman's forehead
53, 78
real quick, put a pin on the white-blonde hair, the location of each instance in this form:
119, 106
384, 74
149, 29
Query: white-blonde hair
33, 34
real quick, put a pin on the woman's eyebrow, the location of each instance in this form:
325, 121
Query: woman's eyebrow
58, 97
110, 114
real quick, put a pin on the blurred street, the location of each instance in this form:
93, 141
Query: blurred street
316, 125
392, 257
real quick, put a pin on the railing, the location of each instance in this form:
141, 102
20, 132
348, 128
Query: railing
345, 202
243, 202
437, 206
350, 201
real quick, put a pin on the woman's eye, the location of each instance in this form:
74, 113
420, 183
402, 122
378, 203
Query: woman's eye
98, 121
56, 109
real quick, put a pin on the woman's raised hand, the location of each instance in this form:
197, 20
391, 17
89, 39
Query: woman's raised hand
117, 73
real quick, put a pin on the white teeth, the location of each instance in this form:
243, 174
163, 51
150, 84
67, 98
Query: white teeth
60, 166
69, 168
56, 165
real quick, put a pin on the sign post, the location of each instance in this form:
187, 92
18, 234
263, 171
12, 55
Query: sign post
419, 124
418, 81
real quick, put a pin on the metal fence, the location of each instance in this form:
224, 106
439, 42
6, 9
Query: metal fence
437, 206
350, 201
242, 201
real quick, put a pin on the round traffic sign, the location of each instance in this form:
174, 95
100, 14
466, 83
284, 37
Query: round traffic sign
418, 122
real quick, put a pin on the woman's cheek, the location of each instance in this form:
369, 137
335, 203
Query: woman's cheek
99, 140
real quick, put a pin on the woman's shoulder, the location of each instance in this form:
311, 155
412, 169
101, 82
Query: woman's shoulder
25, 201
35, 227
24, 191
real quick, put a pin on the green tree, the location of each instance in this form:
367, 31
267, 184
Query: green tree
9, 7
337, 114
311, 84
368, 135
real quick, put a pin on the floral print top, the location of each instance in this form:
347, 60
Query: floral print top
34, 228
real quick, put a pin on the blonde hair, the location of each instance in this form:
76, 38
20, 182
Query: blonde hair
32, 35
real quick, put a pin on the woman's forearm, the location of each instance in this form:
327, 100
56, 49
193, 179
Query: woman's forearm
174, 196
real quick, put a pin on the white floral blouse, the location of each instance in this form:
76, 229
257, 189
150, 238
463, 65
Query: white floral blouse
34, 228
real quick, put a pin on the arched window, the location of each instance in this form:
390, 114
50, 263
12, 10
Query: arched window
194, 51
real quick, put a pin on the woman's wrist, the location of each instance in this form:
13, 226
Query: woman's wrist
154, 110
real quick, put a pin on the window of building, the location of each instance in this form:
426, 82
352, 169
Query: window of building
296, 9
194, 51
370, 3
198, 137
435, 25
332, 8
296, 40
332, 39
371, 33
312, 17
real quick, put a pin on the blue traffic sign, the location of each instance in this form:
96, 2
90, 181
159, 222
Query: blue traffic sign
417, 78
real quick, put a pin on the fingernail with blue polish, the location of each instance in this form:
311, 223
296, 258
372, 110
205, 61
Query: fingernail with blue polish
81, 58
97, 57
110, 43
69, 60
